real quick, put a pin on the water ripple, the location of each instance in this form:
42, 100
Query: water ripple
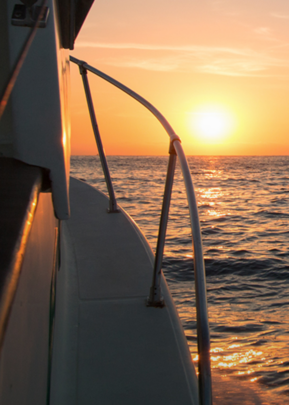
244, 219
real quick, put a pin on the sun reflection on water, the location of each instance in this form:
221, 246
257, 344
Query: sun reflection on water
243, 210
247, 357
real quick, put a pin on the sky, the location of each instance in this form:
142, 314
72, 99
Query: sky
218, 70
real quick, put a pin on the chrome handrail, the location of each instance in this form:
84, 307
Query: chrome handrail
131, 93
205, 390
205, 385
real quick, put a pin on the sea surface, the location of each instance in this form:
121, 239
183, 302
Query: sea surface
244, 215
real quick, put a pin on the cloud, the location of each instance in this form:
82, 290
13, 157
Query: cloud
263, 31
166, 65
233, 68
205, 59
281, 16
148, 47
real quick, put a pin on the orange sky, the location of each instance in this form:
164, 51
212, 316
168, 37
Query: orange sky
184, 57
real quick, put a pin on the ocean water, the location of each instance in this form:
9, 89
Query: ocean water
244, 215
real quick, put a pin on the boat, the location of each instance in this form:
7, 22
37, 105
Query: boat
86, 315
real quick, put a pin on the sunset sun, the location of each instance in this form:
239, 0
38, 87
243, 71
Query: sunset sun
211, 124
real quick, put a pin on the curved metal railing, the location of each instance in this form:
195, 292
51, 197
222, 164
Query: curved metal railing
155, 298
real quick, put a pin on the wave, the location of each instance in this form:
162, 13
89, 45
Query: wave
244, 220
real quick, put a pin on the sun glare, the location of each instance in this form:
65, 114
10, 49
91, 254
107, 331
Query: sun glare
211, 124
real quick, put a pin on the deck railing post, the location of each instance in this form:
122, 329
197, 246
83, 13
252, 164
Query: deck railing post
155, 298
112, 200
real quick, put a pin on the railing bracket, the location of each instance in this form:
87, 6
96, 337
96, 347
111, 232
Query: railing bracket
112, 211
171, 148
156, 304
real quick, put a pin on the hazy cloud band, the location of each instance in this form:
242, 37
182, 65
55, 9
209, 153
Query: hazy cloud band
204, 59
